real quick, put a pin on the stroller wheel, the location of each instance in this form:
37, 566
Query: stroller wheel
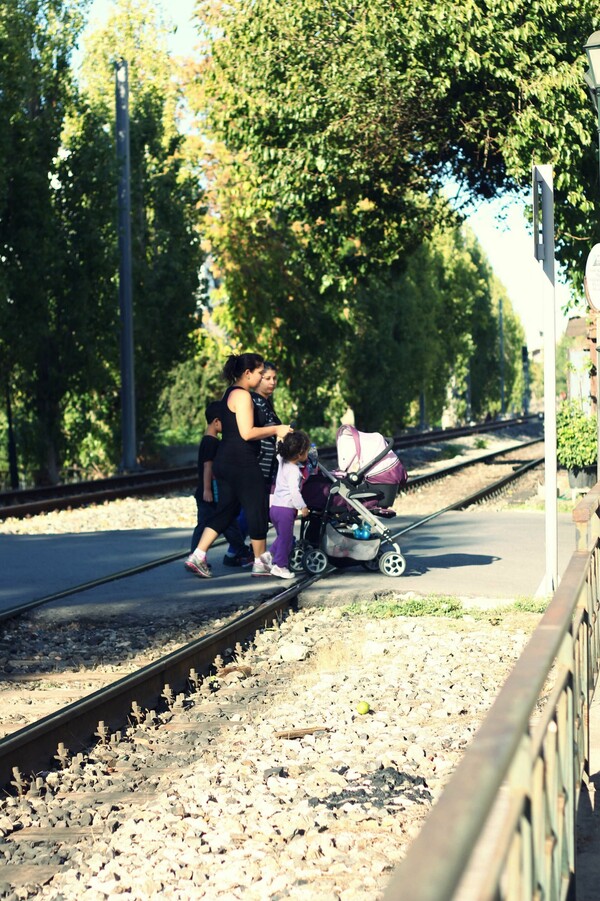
297, 556
392, 563
315, 561
371, 565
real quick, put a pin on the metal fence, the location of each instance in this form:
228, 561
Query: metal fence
504, 827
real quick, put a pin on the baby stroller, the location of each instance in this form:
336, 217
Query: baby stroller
346, 506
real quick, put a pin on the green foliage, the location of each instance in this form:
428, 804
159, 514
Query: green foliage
328, 145
190, 386
562, 364
36, 40
447, 606
576, 436
531, 605
59, 315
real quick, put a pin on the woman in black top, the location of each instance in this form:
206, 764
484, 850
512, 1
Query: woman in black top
236, 468
264, 414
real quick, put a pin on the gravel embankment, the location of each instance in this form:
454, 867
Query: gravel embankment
223, 802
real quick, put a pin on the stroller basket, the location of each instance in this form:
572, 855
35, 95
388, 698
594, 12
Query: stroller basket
339, 545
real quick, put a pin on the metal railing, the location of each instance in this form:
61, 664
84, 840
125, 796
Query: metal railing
504, 827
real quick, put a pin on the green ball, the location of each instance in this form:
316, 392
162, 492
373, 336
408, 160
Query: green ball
362, 707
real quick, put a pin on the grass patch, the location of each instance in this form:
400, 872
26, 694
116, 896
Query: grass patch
384, 607
449, 451
444, 606
538, 504
531, 605
480, 444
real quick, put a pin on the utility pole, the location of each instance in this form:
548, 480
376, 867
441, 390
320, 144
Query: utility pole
501, 330
12, 445
129, 458
525, 361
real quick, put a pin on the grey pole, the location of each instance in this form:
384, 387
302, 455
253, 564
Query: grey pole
12, 445
501, 330
543, 197
525, 360
592, 78
129, 457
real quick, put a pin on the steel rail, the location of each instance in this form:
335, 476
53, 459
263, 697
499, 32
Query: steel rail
85, 586
85, 486
456, 466
435, 436
476, 497
95, 496
36, 747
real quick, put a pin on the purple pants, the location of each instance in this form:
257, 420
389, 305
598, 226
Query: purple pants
283, 520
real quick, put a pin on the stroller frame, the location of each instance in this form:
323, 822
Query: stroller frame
353, 488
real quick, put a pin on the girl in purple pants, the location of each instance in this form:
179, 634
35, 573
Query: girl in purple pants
286, 499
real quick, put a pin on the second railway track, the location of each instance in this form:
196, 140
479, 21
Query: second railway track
29, 501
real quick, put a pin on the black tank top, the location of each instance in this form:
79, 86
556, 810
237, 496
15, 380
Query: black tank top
233, 450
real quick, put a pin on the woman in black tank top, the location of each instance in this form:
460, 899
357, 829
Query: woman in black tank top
239, 478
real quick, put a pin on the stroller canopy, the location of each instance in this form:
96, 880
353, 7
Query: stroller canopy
355, 449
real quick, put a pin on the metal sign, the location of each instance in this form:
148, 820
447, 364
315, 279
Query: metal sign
592, 278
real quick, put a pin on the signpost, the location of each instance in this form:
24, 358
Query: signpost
543, 237
592, 292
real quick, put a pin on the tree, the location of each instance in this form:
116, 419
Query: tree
165, 197
36, 40
59, 316
329, 138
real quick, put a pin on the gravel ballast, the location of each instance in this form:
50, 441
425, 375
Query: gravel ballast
267, 783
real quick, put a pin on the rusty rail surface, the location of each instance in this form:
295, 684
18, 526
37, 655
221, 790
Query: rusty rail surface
504, 827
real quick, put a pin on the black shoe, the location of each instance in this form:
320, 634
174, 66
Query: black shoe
231, 561
242, 558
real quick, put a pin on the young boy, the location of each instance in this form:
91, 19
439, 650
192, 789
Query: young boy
206, 492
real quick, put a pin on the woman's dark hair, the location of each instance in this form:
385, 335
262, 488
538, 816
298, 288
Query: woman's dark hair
236, 365
269, 365
294, 444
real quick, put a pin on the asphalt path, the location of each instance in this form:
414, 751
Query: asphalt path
474, 555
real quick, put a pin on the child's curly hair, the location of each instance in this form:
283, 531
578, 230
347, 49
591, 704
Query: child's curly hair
293, 445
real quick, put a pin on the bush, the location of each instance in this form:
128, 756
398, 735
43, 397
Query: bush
576, 436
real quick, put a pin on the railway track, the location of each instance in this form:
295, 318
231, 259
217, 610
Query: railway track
60, 734
29, 501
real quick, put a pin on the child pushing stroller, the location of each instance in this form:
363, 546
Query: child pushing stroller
346, 507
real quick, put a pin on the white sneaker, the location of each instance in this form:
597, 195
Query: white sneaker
267, 559
282, 571
260, 569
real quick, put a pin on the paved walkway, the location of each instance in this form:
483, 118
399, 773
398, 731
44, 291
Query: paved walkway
479, 555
